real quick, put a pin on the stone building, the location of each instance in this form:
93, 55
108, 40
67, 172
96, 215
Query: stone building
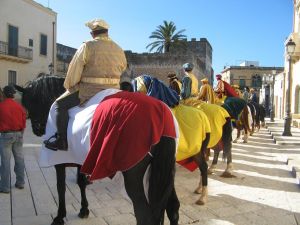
160, 64
250, 75
27, 41
64, 56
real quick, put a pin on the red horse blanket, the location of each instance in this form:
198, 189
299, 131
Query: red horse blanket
124, 127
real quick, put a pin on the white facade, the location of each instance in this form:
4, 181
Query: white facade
34, 49
250, 63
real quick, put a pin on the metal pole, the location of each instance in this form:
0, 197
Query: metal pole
288, 118
272, 100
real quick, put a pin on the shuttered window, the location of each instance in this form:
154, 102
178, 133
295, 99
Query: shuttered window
43, 45
12, 77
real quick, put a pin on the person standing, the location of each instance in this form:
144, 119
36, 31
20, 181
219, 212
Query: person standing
96, 66
246, 94
12, 125
253, 96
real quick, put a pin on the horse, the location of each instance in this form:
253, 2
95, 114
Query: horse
151, 86
234, 106
260, 114
38, 96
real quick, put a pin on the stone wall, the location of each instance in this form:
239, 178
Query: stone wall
160, 64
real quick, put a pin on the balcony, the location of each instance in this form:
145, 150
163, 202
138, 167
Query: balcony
19, 54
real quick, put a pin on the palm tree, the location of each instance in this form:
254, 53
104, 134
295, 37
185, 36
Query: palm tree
165, 37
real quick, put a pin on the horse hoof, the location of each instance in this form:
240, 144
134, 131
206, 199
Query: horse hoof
234, 141
245, 141
58, 221
84, 213
227, 175
200, 202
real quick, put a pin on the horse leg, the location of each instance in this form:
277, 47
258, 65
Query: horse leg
227, 139
200, 160
173, 208
213, 166
238, 134
246, 135
82, 183
61, 190
133, 179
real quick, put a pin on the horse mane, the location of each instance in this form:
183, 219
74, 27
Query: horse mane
46, 88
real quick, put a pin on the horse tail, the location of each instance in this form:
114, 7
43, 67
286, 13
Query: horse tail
245, 116
161, 182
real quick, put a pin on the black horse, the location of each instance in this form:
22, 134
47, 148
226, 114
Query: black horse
38, 96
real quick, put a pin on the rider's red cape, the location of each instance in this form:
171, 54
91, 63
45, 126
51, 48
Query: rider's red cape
229, 91
124, 127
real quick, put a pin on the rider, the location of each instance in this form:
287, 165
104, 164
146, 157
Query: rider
174, 82
96, 65
189, 82
224, 89
206, 93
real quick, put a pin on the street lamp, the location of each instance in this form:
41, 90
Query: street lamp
289, 49
51, 68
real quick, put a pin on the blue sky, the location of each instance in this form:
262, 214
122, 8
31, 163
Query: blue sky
238, 30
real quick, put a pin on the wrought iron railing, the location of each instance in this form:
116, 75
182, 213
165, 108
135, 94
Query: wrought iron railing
19, 51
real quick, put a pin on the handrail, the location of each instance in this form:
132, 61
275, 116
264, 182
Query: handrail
18, 51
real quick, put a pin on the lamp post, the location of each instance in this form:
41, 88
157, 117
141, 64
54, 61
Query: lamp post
51, 68
290, 48
272, 82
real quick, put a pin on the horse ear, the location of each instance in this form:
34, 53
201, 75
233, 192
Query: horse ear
19, 88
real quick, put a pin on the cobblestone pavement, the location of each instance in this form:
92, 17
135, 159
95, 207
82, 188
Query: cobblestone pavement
263, 191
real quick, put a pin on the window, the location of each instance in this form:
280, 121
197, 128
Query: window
12, 77
242, 83
30, 43
13, 36
43, 45
256, 81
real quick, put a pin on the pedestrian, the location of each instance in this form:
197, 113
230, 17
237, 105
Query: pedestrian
189, 82
253, 96
246, 94
96, 66
12, 125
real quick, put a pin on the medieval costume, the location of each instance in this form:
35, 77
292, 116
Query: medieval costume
96, 65
206, 93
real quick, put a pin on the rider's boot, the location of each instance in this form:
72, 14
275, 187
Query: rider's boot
60, 143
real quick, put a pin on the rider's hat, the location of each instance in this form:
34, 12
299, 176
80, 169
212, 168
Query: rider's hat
218, 76
188, 66
204, 80
97, 24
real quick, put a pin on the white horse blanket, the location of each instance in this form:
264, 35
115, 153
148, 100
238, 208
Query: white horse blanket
78, 132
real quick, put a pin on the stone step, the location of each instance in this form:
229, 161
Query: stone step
262, 139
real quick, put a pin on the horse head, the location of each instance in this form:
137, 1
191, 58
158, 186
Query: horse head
37, 97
